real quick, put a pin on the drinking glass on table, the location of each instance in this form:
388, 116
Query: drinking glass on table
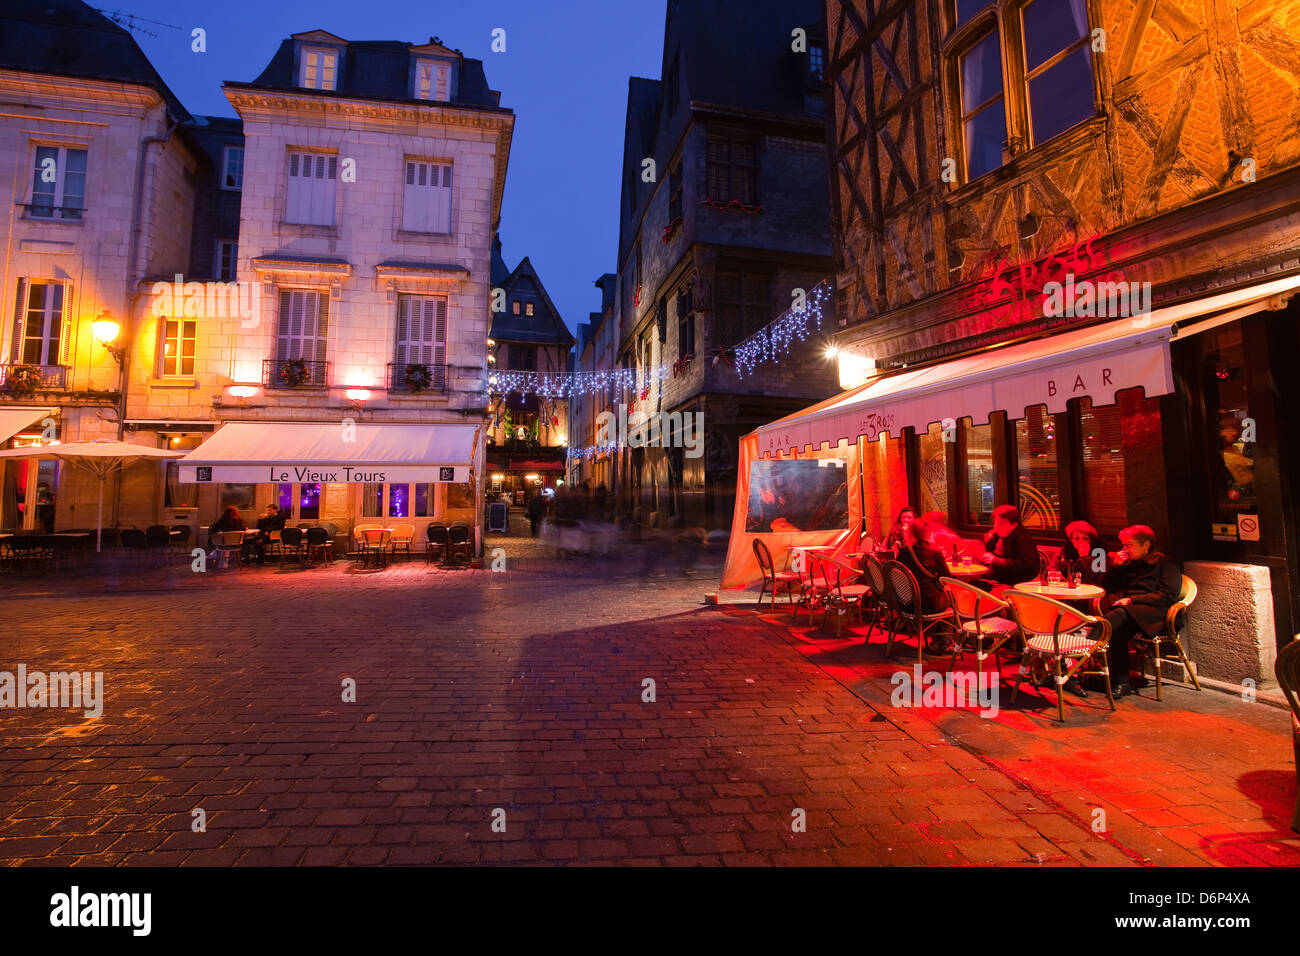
1053, 576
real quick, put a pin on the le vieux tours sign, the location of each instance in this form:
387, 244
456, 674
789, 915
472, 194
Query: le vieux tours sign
332, 473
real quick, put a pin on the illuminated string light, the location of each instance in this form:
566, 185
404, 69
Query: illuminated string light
773, 342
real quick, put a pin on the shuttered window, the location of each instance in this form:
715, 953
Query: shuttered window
426, 197
310, 196
1105, 501
432, 80
41, 334
732, 171
422, 334
303, 327
58, 183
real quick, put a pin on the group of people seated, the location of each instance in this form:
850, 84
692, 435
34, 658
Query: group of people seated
1140, 582
254, 549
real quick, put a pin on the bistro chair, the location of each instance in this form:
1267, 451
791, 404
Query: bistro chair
1061, 635
403, 536
1151, 646
867, 544
134, 541
318, 541
772, 579
224, 543
30, 552
1287, 670
374, 544
180, 536
978, 617
358, 531
437, 537
273, 545
293, 544
811, 594
882, 611
839, 596
905, 596
158, 539
458, 542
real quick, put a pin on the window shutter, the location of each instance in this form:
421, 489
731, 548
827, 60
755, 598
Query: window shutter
442, 216
285, 333
322, 327
20, 322
440, 343
295, 199
403, 325
65, 326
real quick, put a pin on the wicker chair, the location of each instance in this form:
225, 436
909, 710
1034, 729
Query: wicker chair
905, 600
977, 616
1150, 646
839, 596
1061, 635
227, 544
1287, 671
437, 537
882, 610
292, 542
772, 579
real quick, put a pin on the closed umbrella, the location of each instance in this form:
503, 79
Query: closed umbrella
100, 458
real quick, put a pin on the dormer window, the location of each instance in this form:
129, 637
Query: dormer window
318, 68
432, 80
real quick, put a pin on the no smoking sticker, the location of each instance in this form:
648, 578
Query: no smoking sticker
1248, 527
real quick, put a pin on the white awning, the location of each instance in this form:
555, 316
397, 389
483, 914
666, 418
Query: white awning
1095, 362
14, 420
332, 452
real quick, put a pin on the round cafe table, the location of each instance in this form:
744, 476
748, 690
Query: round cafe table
1062, 592
968, 570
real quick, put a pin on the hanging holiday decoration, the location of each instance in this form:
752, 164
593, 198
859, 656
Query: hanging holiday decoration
773, 341
568, 386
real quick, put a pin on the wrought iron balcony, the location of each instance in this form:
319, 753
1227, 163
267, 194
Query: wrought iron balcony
37, 210
411, 377
21, 377
294, 373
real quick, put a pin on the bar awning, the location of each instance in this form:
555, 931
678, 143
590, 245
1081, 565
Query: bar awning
332, 452
1095, 362
14, 420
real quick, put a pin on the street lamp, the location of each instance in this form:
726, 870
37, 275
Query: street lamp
106, 329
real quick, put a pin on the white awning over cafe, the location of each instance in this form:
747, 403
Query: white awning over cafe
14, 420
342, 452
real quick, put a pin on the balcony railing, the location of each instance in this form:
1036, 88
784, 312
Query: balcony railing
37, 210
411, 378
294, 373
41, 377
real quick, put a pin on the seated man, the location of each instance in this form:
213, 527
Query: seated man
1141, 585
1009, 550
271, 520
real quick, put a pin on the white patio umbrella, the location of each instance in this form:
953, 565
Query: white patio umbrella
100, 458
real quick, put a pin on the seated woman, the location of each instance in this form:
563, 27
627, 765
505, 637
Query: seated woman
925, 561
895, 540
229, 521
1077, 554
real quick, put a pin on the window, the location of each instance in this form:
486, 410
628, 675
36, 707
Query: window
933, 464
742, 298
981, 471
514, 307
1058, 66
1232, 448
177, 350
528, 308
312, 179
432, 80
983, 117
675, 193
177, 493
309, 501
1039, 479
238, 496
422, 336
301, 334
399, 501
636, 295
284, 498
816, 62
372, 501
232, 167
732, 171
319, 68
1041, 44
884, 483
672, 87
423, 501
40, 330
523, 358
685, 327
426, 200
58, 183
227, 260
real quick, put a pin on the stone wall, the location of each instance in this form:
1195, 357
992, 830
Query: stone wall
1230, 626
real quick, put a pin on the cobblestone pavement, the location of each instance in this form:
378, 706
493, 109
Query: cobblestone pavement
523, 691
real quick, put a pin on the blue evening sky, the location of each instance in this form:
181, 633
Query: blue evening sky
564, 73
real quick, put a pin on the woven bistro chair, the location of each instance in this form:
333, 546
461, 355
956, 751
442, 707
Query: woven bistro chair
977, 616
437, 537
293, 544
882, 610
1061, 635
905, 596
840, 596
403, 537
1287, 670
226, 544
375, 543
1152, 646
319, 541
458, 543
811, 593
772, 579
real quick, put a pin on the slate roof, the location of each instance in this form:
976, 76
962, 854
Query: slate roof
68, 38
376, 69
544, 327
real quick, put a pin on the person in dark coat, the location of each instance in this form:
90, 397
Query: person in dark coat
925, 561
1077, 555
273, 519
536, 508
1141, 585
1009, 550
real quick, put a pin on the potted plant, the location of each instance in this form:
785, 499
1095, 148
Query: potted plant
418, 377
294, 372
23, 380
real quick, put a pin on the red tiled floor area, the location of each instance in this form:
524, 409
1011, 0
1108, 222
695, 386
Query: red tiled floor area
525, 692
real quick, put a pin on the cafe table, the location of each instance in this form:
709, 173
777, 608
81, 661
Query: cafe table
967, 570
1062, 591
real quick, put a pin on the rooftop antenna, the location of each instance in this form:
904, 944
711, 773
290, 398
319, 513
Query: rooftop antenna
132, 22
